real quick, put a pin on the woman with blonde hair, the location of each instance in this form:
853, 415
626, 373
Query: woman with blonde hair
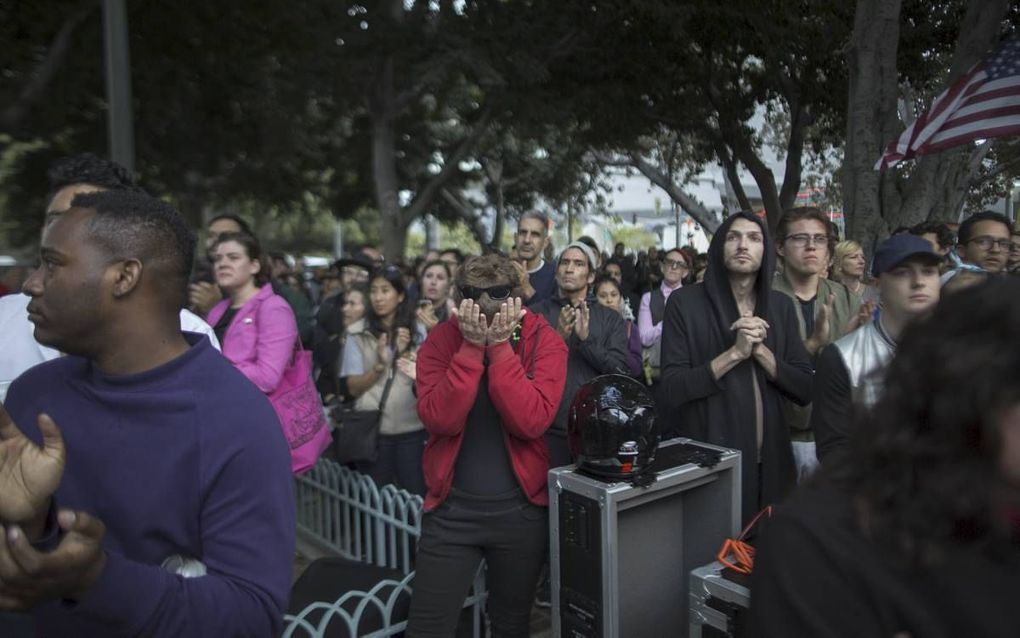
849, 267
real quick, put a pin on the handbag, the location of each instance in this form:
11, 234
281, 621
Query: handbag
356, 432
299, 409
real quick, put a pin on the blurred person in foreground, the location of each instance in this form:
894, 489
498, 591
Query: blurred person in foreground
489, 384
68, 177
151, 492
916, 531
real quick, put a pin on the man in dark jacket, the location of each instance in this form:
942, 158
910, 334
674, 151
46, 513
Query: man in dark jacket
730, 353
595, 335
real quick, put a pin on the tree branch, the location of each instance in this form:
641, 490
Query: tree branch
42, 75
690, 205
469, 215
427, 194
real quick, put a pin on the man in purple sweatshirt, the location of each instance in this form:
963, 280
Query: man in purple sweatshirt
150, 493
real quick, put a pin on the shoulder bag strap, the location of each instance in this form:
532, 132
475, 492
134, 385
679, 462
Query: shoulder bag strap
386, 388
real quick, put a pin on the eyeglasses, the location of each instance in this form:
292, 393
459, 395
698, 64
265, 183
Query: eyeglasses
987, 242
495, 292
675, 264
803, 239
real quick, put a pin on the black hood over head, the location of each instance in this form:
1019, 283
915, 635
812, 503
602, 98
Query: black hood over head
717, 278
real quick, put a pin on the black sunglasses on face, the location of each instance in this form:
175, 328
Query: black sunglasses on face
495, 292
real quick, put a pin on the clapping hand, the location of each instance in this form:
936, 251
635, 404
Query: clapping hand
582, 323
29, 474
427, 316
820, 336
28, 577
403, 339
565, 323
503, 324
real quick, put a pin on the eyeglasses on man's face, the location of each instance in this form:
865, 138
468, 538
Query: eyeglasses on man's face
986, 242
803, 239
675, 264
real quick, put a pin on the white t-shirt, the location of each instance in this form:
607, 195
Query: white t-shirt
21, 351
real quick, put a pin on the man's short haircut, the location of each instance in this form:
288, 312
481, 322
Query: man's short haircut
243, 225
943, 236
540, 216
87, 168
487, 270
459, 256
129, 224
967, 227
801, 213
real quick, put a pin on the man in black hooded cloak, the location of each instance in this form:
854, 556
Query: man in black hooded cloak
730, 352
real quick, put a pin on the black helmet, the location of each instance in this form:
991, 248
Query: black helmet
611, 427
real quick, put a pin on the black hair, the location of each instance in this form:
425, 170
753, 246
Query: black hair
943, 235
131, 224
967, 227
455, 252
404, 317
605, 279
87, 168
244, 226
923, 462
252, 248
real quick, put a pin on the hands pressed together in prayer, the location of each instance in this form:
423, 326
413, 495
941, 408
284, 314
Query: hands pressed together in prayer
751, 332
476, 328
29, 475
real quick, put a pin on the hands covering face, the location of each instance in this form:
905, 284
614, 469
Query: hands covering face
478, 330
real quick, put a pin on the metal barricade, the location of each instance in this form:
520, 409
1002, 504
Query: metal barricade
343, 512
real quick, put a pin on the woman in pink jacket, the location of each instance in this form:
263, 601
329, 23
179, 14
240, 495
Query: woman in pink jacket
255, 326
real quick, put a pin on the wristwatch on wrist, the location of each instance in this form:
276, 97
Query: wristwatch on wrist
380, 367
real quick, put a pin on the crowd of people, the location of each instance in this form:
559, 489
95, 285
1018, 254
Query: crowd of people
144, 449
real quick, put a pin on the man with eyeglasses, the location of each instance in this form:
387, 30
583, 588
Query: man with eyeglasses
984, 241
826, 309
488, 383
652, 309
731, 354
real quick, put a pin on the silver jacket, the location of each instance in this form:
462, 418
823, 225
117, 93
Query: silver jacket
866, 352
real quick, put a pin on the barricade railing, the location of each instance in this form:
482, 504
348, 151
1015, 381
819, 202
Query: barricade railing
344, 512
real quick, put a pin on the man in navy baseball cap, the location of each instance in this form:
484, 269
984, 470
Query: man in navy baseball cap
849, 372
899, 248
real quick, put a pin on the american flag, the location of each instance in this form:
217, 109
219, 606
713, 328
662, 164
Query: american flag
984, 103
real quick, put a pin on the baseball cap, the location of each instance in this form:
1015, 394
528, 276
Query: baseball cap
584, 248
898, 248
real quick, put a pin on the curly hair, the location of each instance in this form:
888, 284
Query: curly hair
923, 463
487, 270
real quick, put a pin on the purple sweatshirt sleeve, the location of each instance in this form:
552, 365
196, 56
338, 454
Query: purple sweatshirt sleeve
248, 545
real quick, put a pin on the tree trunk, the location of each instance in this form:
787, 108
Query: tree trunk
878, 202
384, 165
871, 115
691, 206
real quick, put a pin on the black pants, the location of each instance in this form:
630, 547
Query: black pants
507, 531
399, 461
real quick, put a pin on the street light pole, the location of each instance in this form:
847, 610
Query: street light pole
120, 122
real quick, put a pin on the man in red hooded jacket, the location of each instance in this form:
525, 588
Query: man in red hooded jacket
487, 391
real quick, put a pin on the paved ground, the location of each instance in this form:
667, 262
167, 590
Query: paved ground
541, 618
